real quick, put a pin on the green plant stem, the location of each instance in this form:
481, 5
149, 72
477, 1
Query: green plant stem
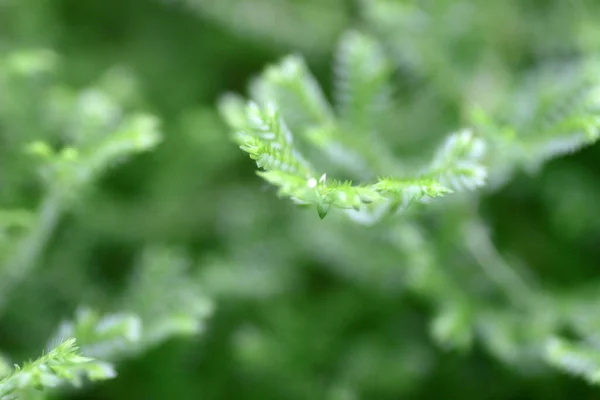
32, 246
488, 258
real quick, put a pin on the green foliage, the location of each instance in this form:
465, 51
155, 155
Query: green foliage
60, 365
574, 358
452, 146
565, 121
288, 92
109, 336
4, 367
180, 313
95, 134
312, 25
546, 121
147, 322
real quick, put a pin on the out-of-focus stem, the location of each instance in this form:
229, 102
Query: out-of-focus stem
31, 247
482, 249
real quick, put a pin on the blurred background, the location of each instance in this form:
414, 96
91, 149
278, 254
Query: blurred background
251, 297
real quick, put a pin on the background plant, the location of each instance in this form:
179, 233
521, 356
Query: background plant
459, 261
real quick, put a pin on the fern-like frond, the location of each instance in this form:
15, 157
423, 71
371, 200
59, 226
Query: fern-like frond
305, 109
568, 115
458, 162
291, 86
268, 141
104, 336
61, 365
287, 92
166, 313
554, 113
68, 169
363, 94
362, 82
343, 195
151, 313
574, 358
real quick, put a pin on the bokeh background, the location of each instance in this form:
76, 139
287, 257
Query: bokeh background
300, 308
